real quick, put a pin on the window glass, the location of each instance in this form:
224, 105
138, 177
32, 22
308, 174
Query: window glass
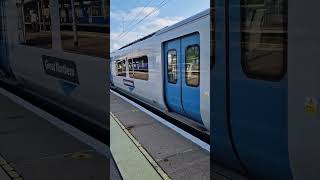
131, 72
34, 23
83, 26
121, 68
264, 37
140, 68
192, 66
172, 67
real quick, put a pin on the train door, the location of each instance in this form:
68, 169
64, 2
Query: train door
257, 85
190, 76
173, 75
182, 76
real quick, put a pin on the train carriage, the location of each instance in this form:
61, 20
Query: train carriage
43, 58
169, 69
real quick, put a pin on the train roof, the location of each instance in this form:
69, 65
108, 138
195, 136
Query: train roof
168, 28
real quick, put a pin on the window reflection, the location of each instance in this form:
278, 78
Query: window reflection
34, 23
131, 73
264, 37
192, 66
84, 27
121, 68
139, 68
172, 67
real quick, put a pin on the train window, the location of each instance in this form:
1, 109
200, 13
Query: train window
264, 38
140, 68
131, 72
121, 68
172, 67
34, 23
192, 66
83, 26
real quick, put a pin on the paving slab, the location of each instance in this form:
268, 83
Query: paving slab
36, 150
177, 156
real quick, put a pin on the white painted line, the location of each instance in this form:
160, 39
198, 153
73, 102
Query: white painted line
83, 137
185, 134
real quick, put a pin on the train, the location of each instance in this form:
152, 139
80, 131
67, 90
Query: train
169, 70
261, 102
265, 88
245, 71
53, 63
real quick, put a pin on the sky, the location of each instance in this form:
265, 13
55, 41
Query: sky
134, 19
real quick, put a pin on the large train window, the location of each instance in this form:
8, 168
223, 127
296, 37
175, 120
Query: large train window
121, 68
192, 66
34, 23
264, 38
83, 26
172, 67
138, 68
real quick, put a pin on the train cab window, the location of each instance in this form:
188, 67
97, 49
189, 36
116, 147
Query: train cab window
172, 67
140, 68
264, 38
121, 68
192, 66
34, 23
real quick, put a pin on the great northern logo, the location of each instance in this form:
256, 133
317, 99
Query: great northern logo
60, 68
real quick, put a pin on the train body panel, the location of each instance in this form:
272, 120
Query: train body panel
265, 88
153, 90
304, 89
258, 90
68, 84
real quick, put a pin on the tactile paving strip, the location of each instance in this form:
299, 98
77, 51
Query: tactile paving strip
12, 173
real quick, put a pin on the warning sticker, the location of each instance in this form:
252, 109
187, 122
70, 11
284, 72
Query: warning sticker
311, 105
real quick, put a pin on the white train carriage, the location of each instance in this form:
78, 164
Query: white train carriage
169, 69
48, 70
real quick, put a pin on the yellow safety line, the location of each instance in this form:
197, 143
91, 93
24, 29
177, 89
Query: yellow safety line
9, 169
154, 164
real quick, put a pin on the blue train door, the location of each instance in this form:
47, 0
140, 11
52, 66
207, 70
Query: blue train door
190, 55
182, 76
172, 75
257, 55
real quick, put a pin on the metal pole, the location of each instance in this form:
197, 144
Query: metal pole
42, 18
74, 24
23, 23
55, 25
39, 15
104, 8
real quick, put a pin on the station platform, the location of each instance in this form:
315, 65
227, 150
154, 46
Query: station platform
34, 148
152, 145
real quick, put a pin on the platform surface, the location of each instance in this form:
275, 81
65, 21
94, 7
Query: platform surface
177, 156
4, 175
34, 149
132, 163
